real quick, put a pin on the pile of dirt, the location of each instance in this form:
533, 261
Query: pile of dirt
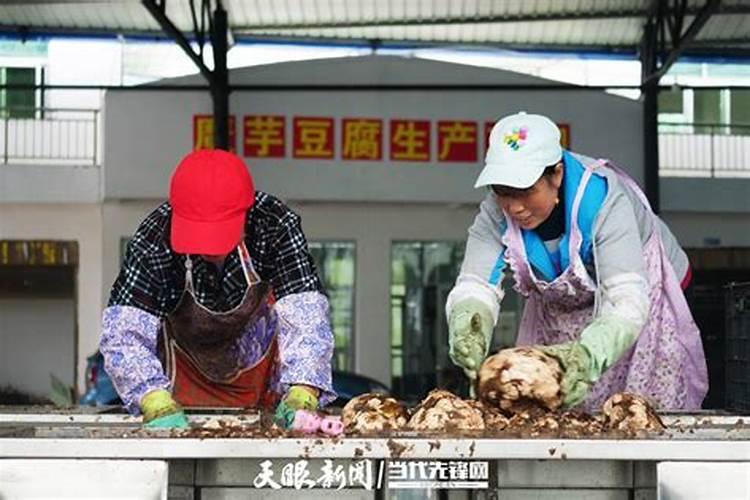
9, 395
223, 429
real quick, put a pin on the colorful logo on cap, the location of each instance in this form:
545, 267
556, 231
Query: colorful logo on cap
517, 138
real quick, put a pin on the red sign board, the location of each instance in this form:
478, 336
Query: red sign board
313, 137
410, 140
203, 132
362, 139
263, 136
457, 141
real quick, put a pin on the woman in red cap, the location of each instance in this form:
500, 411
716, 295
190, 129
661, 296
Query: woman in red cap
218, 302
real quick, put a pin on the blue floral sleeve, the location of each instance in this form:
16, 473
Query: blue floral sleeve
305, 343
128, 344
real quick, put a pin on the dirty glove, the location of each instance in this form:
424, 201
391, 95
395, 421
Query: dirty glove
602, 344
160, 411
470, 328
297, 398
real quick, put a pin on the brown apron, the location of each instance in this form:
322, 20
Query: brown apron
200, 348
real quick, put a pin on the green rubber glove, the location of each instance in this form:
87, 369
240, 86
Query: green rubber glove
160, 411
297, 398
602, 344
470, 329
174, 421
578, 370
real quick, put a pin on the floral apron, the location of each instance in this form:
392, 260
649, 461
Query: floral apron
666, 364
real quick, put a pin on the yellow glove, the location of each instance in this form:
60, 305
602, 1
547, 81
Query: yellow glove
297, 398
161, 411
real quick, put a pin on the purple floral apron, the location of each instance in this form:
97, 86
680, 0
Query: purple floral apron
666, 364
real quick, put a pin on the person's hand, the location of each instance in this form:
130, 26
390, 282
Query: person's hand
470, 328
160, 411
575, 362
602, 344
297, 398
310, 422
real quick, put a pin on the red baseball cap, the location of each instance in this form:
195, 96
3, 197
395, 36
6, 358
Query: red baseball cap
210, 193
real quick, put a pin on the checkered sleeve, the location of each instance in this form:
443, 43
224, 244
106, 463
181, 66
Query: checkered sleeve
293, 270
142, 282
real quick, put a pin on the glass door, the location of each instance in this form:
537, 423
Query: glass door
335, 261
422, 275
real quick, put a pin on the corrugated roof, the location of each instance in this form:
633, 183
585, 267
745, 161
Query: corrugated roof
555, 24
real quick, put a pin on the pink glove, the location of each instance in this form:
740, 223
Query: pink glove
310, 422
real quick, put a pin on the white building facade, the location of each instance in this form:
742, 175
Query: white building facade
381, 177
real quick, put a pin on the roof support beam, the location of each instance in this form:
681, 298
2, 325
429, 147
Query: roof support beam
220, 84
650, 97
218, 77
158, 12
679, 41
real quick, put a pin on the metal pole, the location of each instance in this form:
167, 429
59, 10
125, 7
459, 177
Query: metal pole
5, 138
220, 82
650, 90
41, 92
713, 158
96, 133
651, 144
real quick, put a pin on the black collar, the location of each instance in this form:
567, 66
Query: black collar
554, 226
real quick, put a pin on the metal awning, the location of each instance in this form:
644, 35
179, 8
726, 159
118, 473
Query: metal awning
591, 25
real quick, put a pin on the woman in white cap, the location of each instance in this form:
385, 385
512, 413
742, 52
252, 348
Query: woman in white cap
602, 275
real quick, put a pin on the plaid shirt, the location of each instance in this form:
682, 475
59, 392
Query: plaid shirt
152, 277
152, 280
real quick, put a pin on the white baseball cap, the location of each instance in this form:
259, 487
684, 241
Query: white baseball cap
521, 147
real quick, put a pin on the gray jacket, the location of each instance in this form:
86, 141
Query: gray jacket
622, 225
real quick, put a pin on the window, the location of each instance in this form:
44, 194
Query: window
18, 103
124, 240
422, 275
740, 111
335, 261
670, 101
707, 110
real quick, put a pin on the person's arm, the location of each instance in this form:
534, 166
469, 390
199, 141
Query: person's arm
473, 305
131, 321
128, 344
483, 266
305, 339
623, 302
621, 269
